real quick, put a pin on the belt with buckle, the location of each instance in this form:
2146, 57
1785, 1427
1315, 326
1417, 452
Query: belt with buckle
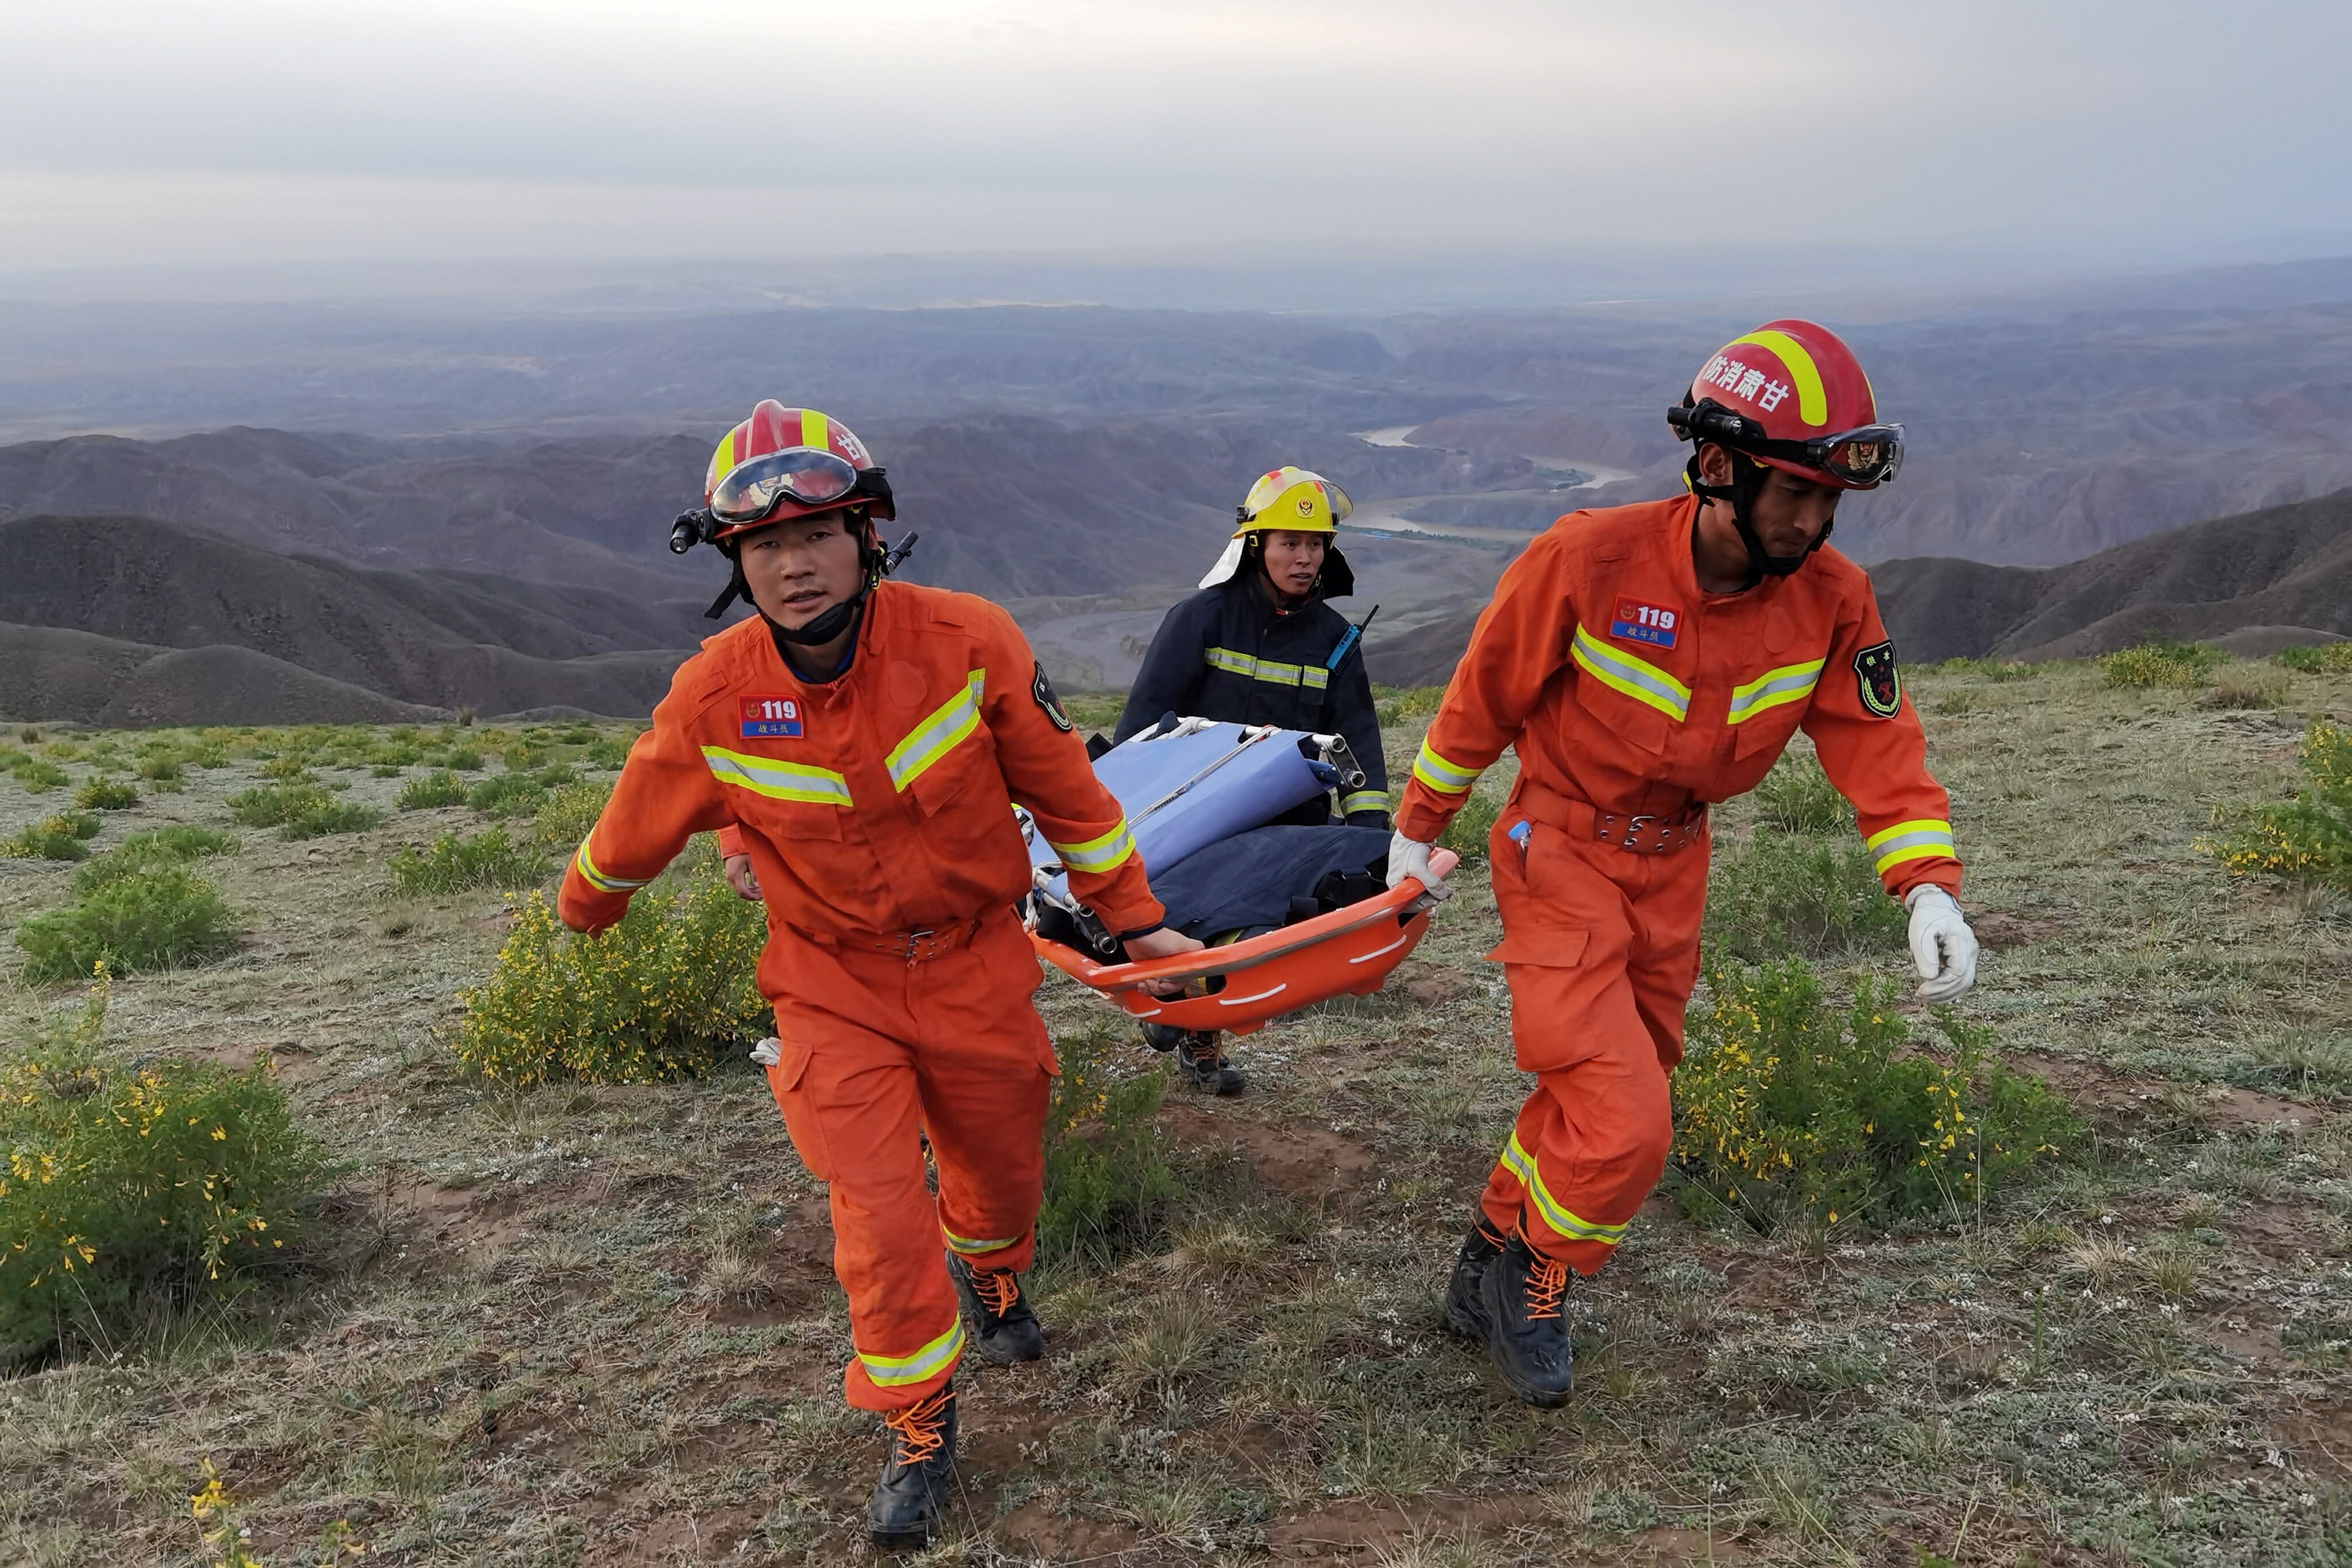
930, 942
1641, 833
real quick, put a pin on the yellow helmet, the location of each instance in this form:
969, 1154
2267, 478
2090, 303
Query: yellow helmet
1295, 501
1290, 500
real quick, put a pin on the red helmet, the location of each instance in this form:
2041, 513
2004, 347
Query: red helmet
1790, 393
790, 463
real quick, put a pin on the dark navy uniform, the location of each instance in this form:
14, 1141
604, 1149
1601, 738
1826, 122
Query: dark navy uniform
1231, 653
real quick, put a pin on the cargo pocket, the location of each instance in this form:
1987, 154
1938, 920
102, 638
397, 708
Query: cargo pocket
1547, 947
788, 1081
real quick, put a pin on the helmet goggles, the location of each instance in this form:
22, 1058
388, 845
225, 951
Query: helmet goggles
1865, 455
802, 475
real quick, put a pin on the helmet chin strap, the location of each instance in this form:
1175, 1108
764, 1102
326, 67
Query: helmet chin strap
1747, 477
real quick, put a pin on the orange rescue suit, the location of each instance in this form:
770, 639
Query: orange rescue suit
1634, 700
878, 811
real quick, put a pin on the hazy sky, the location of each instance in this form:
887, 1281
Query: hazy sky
1266, 131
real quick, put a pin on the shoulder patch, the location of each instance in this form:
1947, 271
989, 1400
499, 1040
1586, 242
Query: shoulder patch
1877, 681
1043, 690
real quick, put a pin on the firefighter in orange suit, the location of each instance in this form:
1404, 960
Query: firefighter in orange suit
870, 737
1646, 661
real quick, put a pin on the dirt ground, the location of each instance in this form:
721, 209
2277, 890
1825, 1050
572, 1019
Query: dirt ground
595, 1325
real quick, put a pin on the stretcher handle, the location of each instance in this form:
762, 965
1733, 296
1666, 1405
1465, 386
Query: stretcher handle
1257, 950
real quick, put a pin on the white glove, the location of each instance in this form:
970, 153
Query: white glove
1941, 944
769, 1051
1410, 858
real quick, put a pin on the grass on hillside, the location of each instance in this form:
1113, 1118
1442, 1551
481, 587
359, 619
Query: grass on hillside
581, 1323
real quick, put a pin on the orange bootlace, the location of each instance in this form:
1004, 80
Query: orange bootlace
997, 1288
920, 1428
1547, 1282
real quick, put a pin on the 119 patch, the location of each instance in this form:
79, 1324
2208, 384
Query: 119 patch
770, 718
1877, 681
1657, 625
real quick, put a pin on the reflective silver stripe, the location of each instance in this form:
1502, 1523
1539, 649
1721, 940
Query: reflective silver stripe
1522, 1165
1363, 801
777, 781
1105, 854
598, 880
1926, 838
936, 736
1312, 677
964, 1246
1788, 684
897, 1370
1619, 671
1445, 777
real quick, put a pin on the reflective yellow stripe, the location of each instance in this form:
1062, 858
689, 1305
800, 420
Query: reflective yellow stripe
813, 432
1788, 684
898, 1371
1312, 677
1106, 853
1445, 777
938, 735
1522, 1165
1926, 838
598, 880
1363, 801
777, 781
1619, 671
1812, 403
964, 1246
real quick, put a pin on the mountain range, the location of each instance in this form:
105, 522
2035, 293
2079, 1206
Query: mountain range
2263, 581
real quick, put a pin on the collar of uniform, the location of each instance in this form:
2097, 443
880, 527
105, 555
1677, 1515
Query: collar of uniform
1269, 609
865, 651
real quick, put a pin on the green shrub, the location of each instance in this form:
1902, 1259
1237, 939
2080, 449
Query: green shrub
1797, 796
2328, 659
464, 759
330, 816
2160, 663
1787, 1109
607, 752
2310, 836
35, 775
160, 767
487, 859
507, 795
427, 791
58, 838
1782, 896
661, 995
291, 767
1465, 835
1402, 704
162, 918
273, 805
141, 853
522, 756
136, 1184
1107, 1184
564, 821
106, 795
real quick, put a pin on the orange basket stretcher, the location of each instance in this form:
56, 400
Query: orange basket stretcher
1237, 989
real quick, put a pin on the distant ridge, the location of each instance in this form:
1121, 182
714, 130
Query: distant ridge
2282, 576
432, 639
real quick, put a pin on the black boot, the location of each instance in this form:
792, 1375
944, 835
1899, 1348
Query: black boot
1465, 1311
1003, 1326
1161, 1037
1527, 1332
1201, 1065
910, 1500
